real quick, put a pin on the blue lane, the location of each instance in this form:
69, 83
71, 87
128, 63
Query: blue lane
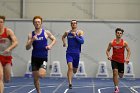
80, 85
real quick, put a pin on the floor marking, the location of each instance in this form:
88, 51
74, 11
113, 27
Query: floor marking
99, 90
93, 86
59, 86
127, 87
19, 88
66, 90
133, 90
32, 90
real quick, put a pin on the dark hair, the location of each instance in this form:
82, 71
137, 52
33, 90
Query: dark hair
73, 20
119, 29
39, 17
2, 17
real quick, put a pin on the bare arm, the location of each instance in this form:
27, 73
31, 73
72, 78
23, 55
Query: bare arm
52, 38
128, 52
14, 40
63, 39
108, 51
29, 42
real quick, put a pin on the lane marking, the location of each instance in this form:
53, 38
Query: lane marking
93, 86
32, 90
59, 86
66, 90
133, 90
99, 90
19, 88
79, 87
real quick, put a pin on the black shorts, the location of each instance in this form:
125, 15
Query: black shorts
117, 65
37, 62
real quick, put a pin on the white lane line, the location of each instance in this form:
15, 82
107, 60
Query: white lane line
127, 87
40, 87
133, 90
19, 88
59, 86
136, 86
99, 90
83, 86
11, 86
80, 87
32, 90
66, 90
93, 86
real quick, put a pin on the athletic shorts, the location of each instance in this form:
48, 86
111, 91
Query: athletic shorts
117, 65
74, 58
5, 60
37, 62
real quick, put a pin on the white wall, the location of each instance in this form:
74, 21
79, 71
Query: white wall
10, 8
58, 9
72, 9
117, 9
97, 36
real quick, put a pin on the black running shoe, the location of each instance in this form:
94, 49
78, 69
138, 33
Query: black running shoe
70, 86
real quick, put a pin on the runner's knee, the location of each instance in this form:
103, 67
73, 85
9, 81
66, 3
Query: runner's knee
42, 72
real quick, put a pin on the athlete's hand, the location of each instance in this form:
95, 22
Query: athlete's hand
109, 58
34, 38
64, 45
74, 33
6, 51
127, 60
48, 47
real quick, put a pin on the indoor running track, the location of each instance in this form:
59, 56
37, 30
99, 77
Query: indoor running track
80, 85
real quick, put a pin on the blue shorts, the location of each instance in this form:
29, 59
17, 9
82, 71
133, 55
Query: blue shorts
74, 58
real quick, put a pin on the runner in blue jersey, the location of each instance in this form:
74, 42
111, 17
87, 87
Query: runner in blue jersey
38, 39
74, 41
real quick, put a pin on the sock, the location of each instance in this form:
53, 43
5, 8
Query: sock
44, 65
116, 87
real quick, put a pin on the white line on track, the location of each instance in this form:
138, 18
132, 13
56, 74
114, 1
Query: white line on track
66, 90
133, 90
93, 86
79, 87
99, 90
19, 88
59, 86
128, 88
32, 90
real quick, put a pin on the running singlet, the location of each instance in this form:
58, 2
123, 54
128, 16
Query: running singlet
39, 45
118, 51
73, 45
5, 42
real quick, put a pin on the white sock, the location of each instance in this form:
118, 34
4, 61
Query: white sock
45, 63
116, 86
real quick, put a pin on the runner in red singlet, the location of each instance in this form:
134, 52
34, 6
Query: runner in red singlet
118, 58
8, 42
